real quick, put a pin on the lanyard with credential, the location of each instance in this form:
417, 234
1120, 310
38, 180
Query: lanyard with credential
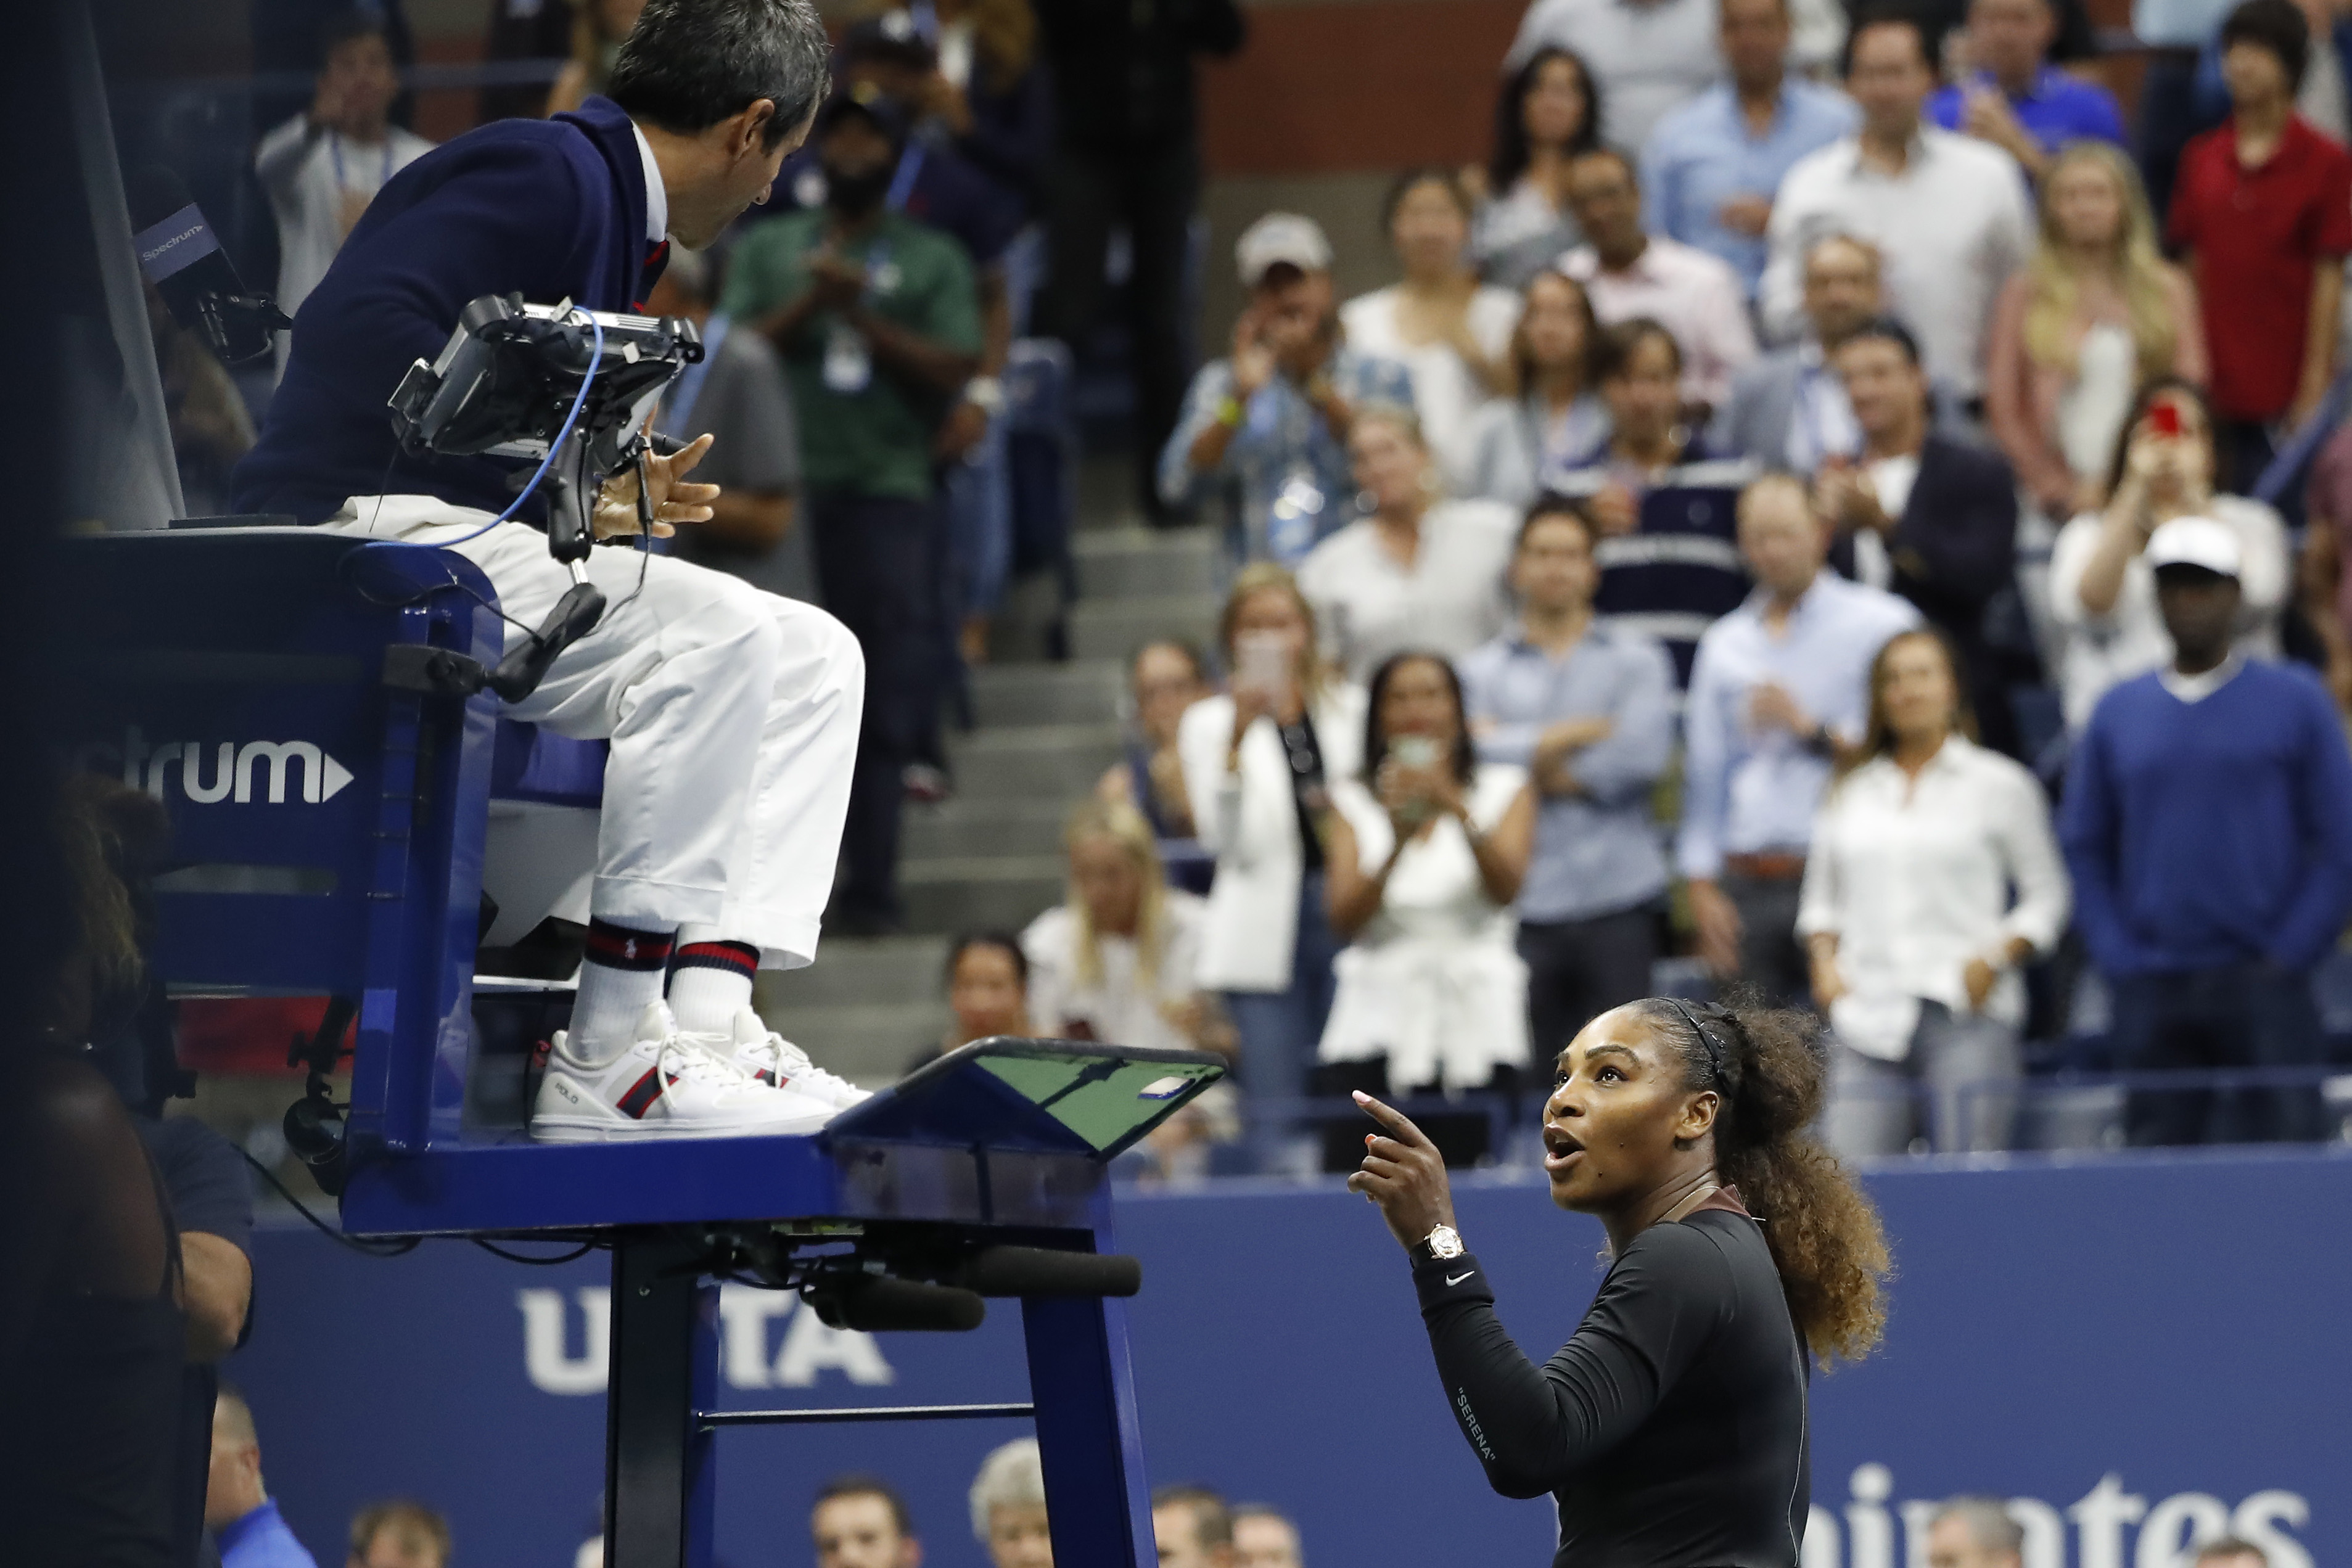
335, 150
902, 183
902, 186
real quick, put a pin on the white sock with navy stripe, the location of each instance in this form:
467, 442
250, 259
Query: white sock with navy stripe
711, 981
621, 972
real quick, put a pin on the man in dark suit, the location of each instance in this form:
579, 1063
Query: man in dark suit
553, 209
732, 714
1925, 517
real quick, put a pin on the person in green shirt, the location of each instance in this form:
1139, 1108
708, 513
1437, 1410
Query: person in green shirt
877, 318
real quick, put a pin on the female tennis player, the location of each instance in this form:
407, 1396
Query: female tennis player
1671, 1427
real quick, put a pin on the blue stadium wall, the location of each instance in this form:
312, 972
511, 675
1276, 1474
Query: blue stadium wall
2139, 1349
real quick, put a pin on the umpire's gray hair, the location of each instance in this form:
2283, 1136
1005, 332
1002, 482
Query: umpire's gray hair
1011, 1477
690, 64
1988, 1520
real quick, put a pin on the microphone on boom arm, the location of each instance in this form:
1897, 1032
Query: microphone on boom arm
180, 254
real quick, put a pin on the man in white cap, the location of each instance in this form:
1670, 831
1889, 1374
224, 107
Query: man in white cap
2208, 822
1268, 425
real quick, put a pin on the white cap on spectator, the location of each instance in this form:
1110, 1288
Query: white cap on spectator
1280, 237
2195, 541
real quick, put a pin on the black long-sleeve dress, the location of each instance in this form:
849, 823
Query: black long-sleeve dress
1670, 1428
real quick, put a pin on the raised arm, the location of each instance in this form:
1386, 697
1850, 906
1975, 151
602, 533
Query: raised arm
1533, 1429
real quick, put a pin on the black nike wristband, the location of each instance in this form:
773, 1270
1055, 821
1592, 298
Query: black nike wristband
1451, 1282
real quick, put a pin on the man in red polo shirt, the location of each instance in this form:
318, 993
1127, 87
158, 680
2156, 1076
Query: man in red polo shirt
2264, 207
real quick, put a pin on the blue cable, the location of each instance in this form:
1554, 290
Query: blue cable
553, 447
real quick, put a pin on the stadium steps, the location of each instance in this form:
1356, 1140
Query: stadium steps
990, 856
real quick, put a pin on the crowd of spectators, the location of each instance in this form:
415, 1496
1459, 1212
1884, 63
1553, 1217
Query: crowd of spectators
1777, 506
1879, 447
245, 1528
1813, 502
1776, 503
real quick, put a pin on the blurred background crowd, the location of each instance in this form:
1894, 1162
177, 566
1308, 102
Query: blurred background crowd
1380, 533
1846, 503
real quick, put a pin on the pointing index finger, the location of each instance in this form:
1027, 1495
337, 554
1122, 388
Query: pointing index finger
1397, 1123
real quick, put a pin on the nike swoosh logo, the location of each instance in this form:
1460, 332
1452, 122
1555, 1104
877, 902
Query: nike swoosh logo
1452, 1279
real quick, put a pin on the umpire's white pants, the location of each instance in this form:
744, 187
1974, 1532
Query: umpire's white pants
732, 716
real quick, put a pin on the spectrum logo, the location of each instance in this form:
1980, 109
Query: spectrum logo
209, 772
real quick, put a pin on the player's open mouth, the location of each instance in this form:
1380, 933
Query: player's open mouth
1561, 1149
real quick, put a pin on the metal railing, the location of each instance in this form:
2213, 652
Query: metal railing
2073, 1112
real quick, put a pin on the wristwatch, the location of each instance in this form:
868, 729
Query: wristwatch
1440, 1245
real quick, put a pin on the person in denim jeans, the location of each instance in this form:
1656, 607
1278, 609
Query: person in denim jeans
2206, 825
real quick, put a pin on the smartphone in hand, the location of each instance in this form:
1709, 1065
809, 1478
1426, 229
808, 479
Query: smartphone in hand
1262, 665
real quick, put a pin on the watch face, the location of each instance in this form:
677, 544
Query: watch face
1444, 1243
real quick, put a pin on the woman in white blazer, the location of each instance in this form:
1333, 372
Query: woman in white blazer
1258, 764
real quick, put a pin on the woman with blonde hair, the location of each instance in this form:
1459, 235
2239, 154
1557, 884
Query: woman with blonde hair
2095, 315
597, 28
1259, 763
1908, 920
1118, 958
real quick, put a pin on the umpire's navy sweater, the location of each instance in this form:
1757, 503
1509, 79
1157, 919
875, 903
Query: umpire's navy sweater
2214, 833
551, 209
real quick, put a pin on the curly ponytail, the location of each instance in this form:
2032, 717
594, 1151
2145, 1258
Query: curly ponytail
1768, 1067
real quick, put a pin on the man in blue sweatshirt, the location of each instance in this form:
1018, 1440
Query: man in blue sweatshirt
732, 714
2208, 822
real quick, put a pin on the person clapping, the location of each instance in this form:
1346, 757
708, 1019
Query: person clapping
1427, 850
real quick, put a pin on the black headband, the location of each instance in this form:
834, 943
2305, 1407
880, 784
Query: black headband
1713, 1047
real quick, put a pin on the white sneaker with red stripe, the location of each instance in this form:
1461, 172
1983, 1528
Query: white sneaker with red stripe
771, 1059
665, 1085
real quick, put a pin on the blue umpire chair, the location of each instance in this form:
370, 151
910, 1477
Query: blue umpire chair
296, 699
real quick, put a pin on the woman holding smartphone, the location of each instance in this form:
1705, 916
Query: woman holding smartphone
2102, 590
1258, 764
1427, 850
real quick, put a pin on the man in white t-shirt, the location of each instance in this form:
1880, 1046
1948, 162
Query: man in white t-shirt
322, 167
1948, 212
